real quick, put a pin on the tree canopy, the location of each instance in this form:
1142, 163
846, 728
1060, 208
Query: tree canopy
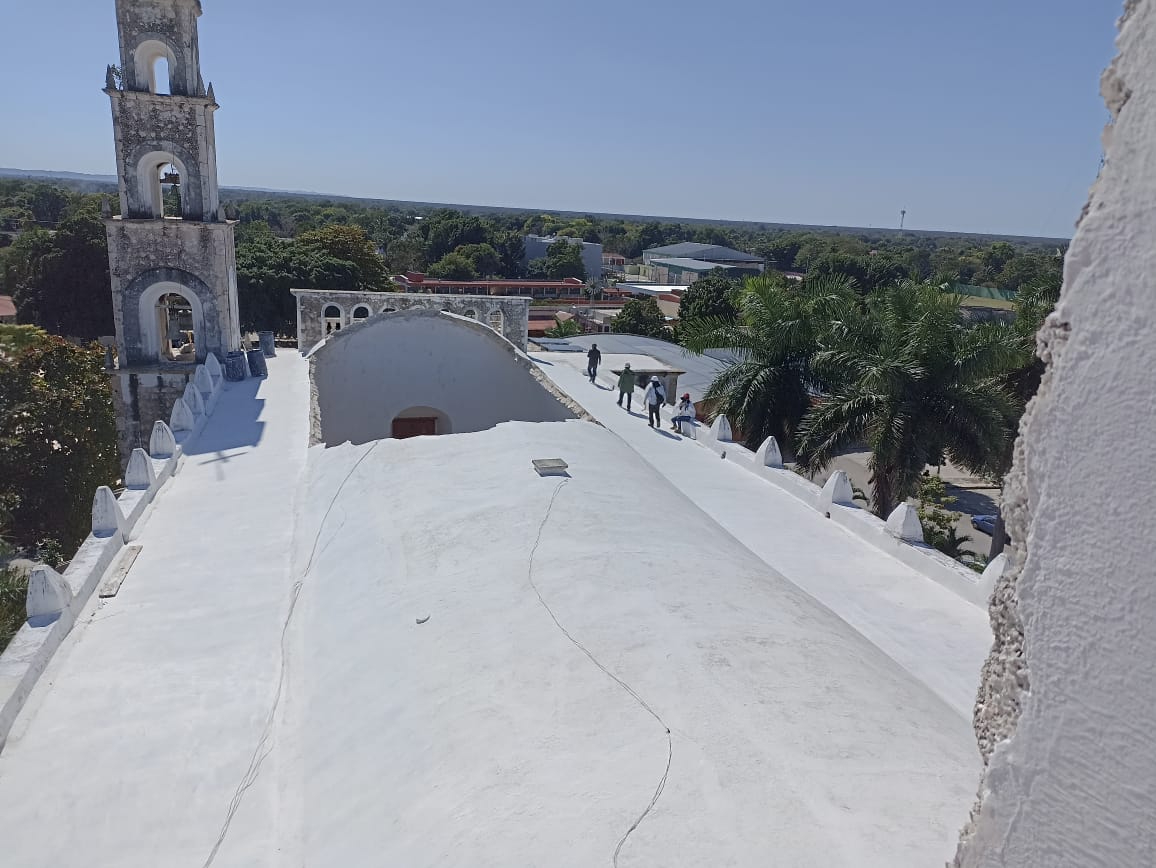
350, 244
641, 317
58, 439
563, 259
60, 281
913, 382
767, 389
344, 236
564, 328
709, 297
454, 266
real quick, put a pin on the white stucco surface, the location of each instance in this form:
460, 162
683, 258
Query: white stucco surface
484, 737
135, 739
368, 374
1075, 783
930, 631
261, 691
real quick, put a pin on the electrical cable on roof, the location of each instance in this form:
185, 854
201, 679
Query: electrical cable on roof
263, 748
642, 702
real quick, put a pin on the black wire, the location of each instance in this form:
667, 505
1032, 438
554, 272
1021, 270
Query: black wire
260, 753
630, 690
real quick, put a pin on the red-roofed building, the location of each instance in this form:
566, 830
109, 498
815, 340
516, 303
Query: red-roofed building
7, 309
415, 281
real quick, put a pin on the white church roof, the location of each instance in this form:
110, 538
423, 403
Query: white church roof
343, 657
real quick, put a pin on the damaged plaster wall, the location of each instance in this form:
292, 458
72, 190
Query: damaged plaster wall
1064, 712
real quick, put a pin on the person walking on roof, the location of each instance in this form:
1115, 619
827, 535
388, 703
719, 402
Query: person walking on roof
593, 360
655, 398
626, 386
683, 413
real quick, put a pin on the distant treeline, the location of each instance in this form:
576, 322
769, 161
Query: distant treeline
51, 243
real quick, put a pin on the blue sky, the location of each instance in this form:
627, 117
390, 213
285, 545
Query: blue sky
982, 116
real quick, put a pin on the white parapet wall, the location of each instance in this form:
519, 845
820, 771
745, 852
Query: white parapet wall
55, 600
836, 501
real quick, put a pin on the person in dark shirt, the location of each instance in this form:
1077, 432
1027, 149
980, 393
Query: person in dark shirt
593, 360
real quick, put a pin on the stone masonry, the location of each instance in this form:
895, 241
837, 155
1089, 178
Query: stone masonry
142, 399
312, 304
164, 127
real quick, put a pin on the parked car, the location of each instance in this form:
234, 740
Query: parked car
986, 524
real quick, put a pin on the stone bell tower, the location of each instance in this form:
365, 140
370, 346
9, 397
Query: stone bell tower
174, 275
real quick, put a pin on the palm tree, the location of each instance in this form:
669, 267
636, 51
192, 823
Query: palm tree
564, 328
912, 381
769, 385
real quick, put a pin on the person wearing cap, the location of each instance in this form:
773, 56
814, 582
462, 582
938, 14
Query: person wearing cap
655, 398
626, 386
684, 412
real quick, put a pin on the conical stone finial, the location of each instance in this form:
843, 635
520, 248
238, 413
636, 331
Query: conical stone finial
140, 475
722, 429
48, 594
182, 418
837, 490
904, 524
107, 519
162, 443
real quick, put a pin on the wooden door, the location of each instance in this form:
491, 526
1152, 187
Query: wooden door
423, 426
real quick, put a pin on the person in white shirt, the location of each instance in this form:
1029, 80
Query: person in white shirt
684, 412
655, 397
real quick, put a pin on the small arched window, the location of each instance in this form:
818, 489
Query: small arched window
496, 321
472, 314
361, 312
389, 310
334, 319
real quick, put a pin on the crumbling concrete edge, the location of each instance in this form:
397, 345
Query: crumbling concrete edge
1005, 683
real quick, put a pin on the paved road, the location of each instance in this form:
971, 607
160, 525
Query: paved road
974, 499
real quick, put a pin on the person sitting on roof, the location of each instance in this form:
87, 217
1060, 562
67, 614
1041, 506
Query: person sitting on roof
684, 412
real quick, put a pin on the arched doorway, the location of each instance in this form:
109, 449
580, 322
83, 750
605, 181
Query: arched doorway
420, 422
